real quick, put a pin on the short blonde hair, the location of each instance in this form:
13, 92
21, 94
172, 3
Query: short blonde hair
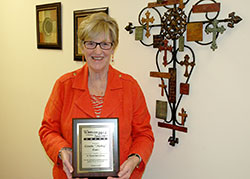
97, 23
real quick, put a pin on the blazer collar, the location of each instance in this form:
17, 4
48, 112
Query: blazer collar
81, 79
112, 98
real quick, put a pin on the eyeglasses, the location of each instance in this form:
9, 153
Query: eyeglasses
103, 45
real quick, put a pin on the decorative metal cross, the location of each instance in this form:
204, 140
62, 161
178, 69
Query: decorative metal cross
163, 86
183, 115
166, 48
215, 30
147, 20
173, 25
186, 63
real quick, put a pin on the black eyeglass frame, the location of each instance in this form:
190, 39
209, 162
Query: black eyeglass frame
100, 45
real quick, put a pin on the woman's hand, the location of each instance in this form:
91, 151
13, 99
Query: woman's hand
66, 157
127, 168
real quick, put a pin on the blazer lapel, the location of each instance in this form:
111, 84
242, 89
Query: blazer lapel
113, 95
84, 104
80, 85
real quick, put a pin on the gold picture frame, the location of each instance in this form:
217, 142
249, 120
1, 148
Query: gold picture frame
48, 22
78, 18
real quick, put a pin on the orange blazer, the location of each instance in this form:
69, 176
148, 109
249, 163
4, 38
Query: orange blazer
123, 98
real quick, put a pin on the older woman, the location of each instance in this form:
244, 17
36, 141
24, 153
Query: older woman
97, 90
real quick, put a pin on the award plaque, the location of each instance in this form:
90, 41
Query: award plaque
95, 147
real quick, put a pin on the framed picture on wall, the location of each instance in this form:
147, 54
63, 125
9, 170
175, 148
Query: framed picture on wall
48, 24
78, 18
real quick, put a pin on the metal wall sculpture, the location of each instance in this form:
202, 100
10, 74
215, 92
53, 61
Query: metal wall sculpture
175, 62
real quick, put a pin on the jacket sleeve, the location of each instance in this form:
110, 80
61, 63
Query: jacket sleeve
50, 131
142, 134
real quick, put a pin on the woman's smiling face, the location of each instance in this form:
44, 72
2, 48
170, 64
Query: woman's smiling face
98, 59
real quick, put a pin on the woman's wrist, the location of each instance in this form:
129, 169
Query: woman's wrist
64, 148
138, 156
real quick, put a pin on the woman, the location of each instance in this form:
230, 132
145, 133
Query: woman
97, 90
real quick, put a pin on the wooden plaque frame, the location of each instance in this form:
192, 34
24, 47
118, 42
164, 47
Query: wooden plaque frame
95, 147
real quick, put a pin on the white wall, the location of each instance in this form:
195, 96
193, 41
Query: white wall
217, 144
